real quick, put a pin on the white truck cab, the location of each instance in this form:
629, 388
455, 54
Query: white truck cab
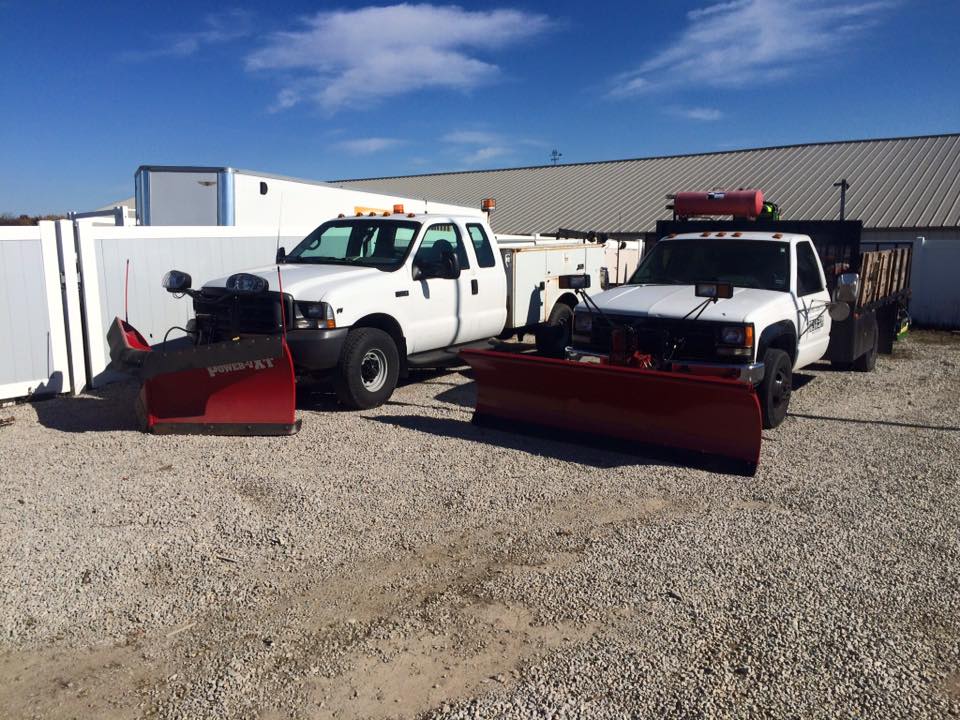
366, 297
777, 320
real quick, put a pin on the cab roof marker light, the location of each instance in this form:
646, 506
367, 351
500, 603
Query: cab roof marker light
721, 234
736, 234
777, 236
341, 215
398, 209
411, 215
704, 234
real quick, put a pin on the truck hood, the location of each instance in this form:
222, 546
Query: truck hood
305, 282
676, 301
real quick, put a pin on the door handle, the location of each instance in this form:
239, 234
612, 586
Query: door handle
474, 287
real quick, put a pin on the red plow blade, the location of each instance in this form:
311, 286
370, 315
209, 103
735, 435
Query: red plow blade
240, 387
703, 415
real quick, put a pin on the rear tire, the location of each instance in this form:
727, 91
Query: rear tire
868, 361
554, 336
775, 388
366, 375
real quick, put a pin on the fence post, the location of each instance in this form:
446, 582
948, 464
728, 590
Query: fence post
67, 255
96, 351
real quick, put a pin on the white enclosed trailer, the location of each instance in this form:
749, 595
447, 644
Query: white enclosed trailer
186, 195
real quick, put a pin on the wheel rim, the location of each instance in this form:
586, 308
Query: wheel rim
780, 389
373, 370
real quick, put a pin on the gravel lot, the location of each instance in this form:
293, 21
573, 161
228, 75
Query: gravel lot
401, 562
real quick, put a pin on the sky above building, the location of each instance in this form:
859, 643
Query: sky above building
338, 90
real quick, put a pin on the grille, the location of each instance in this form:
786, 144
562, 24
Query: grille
226, 314
665, 338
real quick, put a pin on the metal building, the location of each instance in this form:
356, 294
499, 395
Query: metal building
900, 184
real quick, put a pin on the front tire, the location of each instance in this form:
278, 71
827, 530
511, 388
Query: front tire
554, 336
775, 388
369, 366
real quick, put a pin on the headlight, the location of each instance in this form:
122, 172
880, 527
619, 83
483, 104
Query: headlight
582, 322
732, 336
315, 315
247, 284
740, 336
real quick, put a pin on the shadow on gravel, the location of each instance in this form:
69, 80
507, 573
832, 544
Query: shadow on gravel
601, 453
106, 410
891, 423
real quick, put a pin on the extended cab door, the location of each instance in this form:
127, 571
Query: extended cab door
812, 298
486, 305
435, 306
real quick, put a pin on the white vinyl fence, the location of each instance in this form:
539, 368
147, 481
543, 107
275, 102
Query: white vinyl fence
33, 341
204, 252
62, 284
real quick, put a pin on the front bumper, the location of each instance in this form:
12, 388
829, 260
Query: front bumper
314, 350
751, 373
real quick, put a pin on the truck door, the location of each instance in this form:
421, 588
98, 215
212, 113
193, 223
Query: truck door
486, 305
436, 305
813, 320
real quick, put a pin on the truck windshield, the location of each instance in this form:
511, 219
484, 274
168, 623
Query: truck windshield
743, 263
368, 242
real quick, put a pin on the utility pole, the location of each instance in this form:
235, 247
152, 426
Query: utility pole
555, 156
843, 185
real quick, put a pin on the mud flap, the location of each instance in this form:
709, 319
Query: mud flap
240, 387
702, 415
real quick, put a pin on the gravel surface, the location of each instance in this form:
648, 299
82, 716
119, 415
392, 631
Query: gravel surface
400, 562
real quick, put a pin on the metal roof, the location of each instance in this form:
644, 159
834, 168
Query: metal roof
895, 183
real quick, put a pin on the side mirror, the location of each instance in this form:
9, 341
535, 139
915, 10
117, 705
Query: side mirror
574, 282
176, 281
848, 288
281, 254
838, 311
451, 264
418, 272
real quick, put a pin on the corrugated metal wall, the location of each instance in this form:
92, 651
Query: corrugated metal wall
896, 183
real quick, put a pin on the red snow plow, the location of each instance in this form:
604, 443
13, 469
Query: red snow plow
242, 386
629, 398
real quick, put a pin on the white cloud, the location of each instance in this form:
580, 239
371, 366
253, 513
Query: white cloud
471, 137
218, 28
473, 146
748, 42
485, 154
366, 146
355, 57
705, 114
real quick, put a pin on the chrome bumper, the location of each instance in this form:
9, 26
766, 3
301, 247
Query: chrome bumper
752, 373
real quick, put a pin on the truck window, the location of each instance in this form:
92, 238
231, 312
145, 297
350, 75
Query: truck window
382, 244
438, 238
808, 270
481, 246
742, 263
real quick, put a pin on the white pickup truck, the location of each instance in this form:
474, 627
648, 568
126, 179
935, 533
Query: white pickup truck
776, 320
364, 298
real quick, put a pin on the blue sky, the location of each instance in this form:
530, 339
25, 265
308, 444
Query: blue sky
339, 90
